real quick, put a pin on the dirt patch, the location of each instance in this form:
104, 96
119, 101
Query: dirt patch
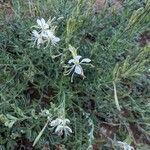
108, 131
46, 146
103, 4
138, 132
89, 37
89, 106
60, 147
23, 144
144, 38
6, 8
44, 97
100, 4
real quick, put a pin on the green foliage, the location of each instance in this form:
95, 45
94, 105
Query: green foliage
32, 80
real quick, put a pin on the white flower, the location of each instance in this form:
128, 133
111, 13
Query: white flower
37, 38
49, 35
45, 33
42, 24
124, 145
60, 126
75, 63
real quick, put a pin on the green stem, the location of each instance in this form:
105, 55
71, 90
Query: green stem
40, 134
116, 97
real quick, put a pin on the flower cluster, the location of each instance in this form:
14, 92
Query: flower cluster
60, 126
45, 33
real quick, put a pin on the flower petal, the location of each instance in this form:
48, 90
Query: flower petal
35, 33
78, 70
86, 60
56, 122
68, 129
46, 26
43, 21
39, 41
39, 22
71, 61
49, 33
59, 130
42, 24
66, 121
77, 58
55, 40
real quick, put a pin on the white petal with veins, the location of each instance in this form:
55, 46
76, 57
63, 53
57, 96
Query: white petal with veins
78, 70
86, 60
